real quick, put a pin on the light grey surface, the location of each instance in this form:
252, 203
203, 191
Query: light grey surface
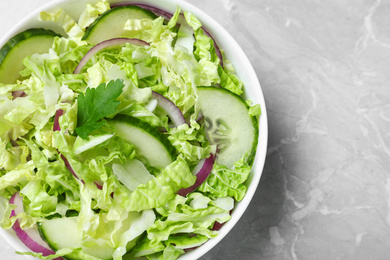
324, 69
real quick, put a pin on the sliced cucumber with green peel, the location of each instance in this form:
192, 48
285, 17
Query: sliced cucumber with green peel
26, 43
228, 124
60, 233
112, 22
64, 233
151, 145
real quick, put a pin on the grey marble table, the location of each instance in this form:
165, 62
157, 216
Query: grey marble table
324, 67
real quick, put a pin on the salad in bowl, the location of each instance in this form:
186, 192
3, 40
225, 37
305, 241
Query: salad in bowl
127, 131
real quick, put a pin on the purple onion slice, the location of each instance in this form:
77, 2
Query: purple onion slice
18, 93
202, 171
157, 11
167, 15
30, 237
67, 165
170, 108
104, 44
217, 50
56, 126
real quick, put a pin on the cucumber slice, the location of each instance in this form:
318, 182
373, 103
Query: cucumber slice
24, 44
63, 233
111, 23
228, 124
151, 145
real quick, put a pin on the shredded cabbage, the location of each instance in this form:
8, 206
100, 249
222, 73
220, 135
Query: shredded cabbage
134, 213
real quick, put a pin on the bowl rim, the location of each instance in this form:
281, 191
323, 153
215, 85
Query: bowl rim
233, 52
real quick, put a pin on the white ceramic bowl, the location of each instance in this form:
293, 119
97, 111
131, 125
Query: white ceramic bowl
233, 52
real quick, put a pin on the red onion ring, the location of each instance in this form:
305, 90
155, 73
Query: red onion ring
170, 108
205, 166
30, 237
56, 126
99, 185
104, 44
200, 116
160, 12
67, 165
167, 15
217, 50
18, 93
217, 226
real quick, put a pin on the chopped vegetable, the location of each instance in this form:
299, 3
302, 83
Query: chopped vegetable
127, 138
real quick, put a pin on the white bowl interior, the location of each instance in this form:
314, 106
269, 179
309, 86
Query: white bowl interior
233, 52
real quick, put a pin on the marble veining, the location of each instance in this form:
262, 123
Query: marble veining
325, 188
324, 70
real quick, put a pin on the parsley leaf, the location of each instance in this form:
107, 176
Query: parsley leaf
96, 104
